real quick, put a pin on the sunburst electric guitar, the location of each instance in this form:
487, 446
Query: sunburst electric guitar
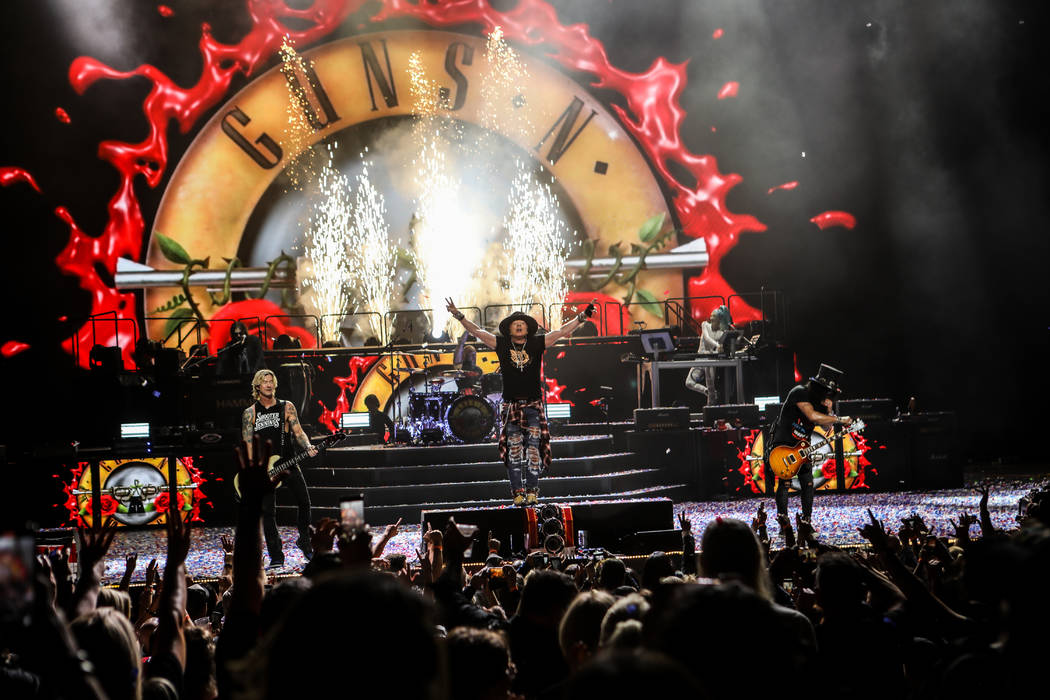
276, 468
786, 461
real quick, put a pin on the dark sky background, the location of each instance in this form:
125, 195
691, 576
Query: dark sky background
927, 121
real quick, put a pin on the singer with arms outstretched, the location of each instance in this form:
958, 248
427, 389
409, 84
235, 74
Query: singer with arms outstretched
524, 443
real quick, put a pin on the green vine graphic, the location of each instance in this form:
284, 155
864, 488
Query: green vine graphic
184, 306
651, 239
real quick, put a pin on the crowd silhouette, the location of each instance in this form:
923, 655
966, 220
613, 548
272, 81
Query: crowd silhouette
911, 615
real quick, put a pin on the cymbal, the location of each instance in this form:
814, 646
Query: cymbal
454, 373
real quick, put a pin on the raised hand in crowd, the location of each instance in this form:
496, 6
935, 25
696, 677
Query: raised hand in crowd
227, 544
786, 530
171, 613
806, 537
95, 543
391, 531
129, 571
63, 575
434, 546
962, 528
688, 545
322, 537
987, 528
355, 546
759, 521
875, 533
147, 594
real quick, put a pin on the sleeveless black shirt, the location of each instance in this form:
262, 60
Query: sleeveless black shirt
269, 425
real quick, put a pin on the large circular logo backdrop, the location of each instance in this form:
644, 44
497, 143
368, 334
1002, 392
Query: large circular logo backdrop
238, 154
648, 111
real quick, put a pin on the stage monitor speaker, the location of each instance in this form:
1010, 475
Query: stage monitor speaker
737, 415
870, 410
675, 452
649, 541
936, 463
605, 523
669, 418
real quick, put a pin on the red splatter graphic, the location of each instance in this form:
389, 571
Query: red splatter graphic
718, 34
78, 258
554, 390
786, 186
794, 363
71, 504
730, 89
834, 218
13, 347
62, 115
347, 386
745, 465
10, 175
197, 497
863, 463
165, 11
167, 102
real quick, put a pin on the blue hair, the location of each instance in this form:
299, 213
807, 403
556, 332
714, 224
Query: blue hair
724, 319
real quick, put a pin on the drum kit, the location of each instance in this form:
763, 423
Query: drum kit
450, 406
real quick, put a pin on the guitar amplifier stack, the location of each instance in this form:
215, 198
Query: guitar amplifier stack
669, 418
737, 415
868, 410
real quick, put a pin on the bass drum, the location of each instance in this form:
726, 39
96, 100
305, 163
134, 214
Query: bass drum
471, 418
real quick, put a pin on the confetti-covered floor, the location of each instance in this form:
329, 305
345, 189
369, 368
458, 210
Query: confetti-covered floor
837, 517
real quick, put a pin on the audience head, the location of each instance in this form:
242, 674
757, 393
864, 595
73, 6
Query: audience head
199, 677
479, 665
657, 566
840, 583
109, 640
731, 552
581, 627
632, 607
545, 596
611, 574
637, 674
360, 622
197, 597
112, 598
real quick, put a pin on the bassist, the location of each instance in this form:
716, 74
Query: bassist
807, 405
278, 422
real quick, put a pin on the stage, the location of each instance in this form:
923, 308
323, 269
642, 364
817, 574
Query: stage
836, 517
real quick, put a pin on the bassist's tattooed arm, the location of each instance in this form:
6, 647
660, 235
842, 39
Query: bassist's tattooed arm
292, 418
248, 428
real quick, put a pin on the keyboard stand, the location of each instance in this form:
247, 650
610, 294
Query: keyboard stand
652, 369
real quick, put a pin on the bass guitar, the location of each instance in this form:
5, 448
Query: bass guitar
276, 467
785, 461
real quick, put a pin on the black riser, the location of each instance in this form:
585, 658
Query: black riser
482, 490
361, 477
384, 515
452, 454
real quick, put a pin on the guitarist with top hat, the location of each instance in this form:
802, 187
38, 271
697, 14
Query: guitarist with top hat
806, 406
278, 422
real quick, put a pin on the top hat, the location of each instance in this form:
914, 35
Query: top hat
530, 322
828, 377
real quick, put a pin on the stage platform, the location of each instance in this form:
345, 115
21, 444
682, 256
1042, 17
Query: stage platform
836, 516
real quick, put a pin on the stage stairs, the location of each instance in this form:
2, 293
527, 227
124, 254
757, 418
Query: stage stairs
401, 482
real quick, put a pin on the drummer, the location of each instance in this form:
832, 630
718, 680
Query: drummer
465, 359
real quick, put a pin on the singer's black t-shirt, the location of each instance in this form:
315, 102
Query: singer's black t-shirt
793, 425
521, 383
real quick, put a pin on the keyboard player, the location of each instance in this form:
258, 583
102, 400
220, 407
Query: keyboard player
712, 336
